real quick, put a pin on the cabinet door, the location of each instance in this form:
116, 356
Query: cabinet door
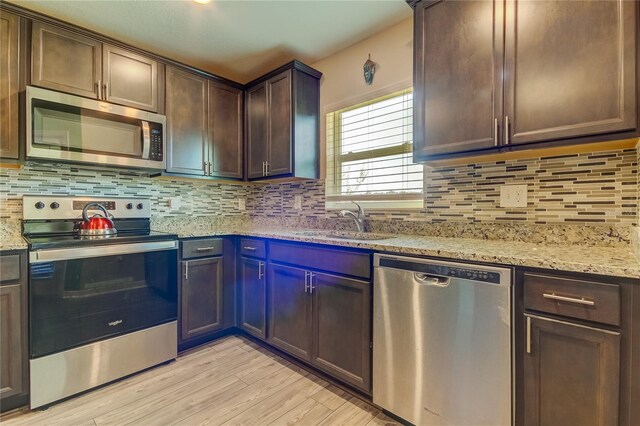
65, 61
9, 82
257, 143
11, 380
290, 310
570, 68
571, 374
186, 109
225, 130
458, 80
253, 297
342, 328
279, 124
201, 297
129, 79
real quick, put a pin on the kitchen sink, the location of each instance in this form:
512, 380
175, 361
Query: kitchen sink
347, 235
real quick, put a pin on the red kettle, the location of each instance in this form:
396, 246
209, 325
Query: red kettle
97, 225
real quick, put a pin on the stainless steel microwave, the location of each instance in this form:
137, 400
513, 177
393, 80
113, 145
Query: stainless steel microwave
70, 128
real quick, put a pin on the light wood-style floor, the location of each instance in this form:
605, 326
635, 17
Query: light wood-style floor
231, 381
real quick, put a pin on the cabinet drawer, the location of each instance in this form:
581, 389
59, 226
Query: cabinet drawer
333, 260
9, 268
201, 248
253, 247
587, 300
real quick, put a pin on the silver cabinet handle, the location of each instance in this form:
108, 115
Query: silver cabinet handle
506, 130
311, 286
205, 248
105, 86
580, 301
99, 89
186, 270
249, 248
210, 168
528, 335
306, 281
495, 132
264, 172
266, 168
260, 270
204, 168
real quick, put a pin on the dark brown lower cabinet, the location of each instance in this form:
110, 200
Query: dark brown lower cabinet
571, 374
14, 384
253, 297
202, 297
342, 328
290, 310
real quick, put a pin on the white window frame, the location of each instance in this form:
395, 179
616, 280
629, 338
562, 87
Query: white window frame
388, 202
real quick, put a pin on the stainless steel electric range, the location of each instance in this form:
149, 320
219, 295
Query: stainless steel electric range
100, 307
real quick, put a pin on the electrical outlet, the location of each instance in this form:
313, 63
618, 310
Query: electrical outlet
513, 196
242, 204
297, 202
175, 202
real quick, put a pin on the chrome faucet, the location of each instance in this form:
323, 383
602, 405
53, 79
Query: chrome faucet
358, 218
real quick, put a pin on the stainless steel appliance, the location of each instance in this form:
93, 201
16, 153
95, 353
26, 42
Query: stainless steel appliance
71, 128
442, 341
99, 308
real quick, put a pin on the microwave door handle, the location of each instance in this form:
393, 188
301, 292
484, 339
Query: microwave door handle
146, 140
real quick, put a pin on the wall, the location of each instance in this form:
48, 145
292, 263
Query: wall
198, 198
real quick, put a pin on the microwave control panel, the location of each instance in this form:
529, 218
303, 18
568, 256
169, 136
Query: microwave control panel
155, 153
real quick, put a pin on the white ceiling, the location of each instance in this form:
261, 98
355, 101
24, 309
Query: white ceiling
237, 39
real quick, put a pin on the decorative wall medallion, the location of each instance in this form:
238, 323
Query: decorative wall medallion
369, 70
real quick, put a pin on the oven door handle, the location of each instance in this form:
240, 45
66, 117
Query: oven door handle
146, 139
40, 256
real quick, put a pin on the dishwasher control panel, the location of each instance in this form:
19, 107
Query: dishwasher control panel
475, 274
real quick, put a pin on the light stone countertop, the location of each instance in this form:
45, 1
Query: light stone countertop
611, 261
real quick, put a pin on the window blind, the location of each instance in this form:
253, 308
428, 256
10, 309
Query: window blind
369, 151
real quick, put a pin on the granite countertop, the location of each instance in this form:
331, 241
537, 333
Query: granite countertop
614, 261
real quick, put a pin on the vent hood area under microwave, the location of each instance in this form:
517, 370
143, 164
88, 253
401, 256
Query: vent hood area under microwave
71, 128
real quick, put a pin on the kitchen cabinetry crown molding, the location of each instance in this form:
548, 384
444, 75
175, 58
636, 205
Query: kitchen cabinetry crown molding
295, 64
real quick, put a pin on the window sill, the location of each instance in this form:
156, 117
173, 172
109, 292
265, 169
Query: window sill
377, 205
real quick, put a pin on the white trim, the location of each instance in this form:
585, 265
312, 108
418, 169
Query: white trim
378, 205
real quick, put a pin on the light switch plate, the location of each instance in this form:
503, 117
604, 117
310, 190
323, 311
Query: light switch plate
513, 196
242, 204
297, 202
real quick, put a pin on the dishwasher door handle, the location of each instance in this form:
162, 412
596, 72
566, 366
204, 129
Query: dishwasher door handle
431, 279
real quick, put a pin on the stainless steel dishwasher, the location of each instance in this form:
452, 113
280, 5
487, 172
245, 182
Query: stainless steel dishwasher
442, 341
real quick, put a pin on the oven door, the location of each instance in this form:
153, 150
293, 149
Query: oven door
71, 128
82, 295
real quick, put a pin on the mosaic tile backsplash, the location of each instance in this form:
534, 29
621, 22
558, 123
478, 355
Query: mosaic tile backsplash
596, 194
597, 188
196, 198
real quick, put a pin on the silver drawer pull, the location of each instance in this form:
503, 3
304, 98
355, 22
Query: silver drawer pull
248, 248
581, 301
205, 248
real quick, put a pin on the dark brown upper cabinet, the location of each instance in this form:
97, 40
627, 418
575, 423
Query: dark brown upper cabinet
283, 123
226, 122
205, 126
187, 112
73, 63
493, 76
9, 85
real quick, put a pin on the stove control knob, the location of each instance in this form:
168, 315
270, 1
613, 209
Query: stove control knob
39, 205
129, 206
139, 206
54, 205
